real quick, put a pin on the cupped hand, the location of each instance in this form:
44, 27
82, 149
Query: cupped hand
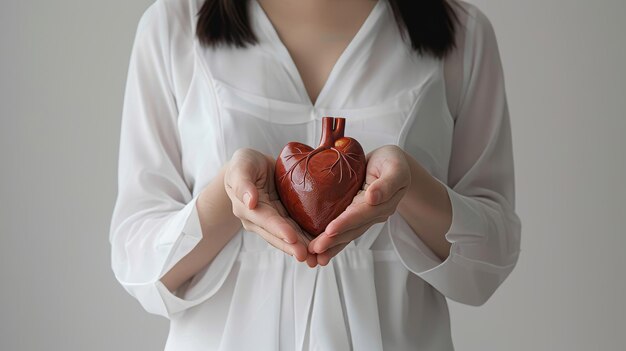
387, 179
249, 182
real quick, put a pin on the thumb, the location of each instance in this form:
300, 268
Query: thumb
377, 192
248, 194
385, 187
243, 186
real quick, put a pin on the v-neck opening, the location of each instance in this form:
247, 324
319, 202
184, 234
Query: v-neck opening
288, 60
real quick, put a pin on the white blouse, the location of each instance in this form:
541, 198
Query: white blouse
188, 108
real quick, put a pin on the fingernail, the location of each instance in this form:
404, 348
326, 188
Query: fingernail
246, 199
288, 241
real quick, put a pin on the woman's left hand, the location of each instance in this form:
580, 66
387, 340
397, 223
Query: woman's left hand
387, 179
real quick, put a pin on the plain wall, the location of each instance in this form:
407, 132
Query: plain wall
62, 74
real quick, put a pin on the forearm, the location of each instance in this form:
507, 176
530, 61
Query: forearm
218, 225
426, 208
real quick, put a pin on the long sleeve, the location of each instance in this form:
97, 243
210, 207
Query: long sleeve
485, 230
155, 221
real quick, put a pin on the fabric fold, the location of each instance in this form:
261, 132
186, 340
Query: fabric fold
328, 297
256, 300
304, 285
205, 283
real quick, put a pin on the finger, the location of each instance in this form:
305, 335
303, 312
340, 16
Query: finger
279, 206
393, 178
240, 183
324, 242
355, 216
358, 202
311, 260
324, 258
302, 236
297, 250
267, 217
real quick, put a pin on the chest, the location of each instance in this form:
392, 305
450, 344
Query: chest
315, 34
255, 96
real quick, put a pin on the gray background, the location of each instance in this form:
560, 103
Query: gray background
62, 74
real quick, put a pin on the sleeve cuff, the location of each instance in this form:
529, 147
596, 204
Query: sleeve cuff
181, 235
459, 278
204, 284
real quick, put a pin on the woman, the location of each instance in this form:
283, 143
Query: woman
215, 89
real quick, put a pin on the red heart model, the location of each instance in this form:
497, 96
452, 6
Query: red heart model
316, 185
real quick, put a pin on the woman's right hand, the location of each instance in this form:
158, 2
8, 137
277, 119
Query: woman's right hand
249, 182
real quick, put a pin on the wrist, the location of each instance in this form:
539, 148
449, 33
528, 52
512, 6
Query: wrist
412, 197
215, 190
423, 190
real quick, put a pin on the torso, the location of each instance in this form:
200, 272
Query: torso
253, 97
316, 33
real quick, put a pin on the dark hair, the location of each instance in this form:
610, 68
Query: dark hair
431, 24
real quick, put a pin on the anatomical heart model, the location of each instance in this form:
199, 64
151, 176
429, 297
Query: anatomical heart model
316, 185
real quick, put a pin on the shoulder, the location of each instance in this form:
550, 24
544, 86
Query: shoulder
170, 17
474, 24
165, 29
166, 32
471, 13
475, 43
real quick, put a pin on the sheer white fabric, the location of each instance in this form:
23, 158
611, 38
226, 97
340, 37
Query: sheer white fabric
188, 108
